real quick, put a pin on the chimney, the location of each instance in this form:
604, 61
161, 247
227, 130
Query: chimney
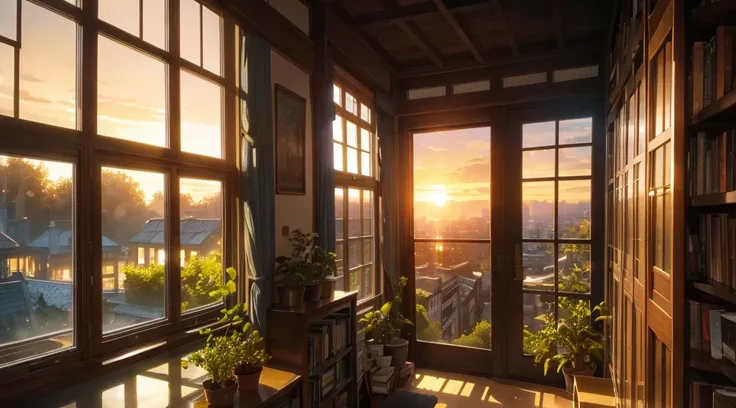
3, 205
54, 232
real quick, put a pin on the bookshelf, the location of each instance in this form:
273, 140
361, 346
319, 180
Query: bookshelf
317, 341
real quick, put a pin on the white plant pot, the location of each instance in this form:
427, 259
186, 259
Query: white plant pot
384, 362
375, 350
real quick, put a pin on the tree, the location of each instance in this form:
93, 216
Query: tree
124, 208
480, 337
26, 186
427, 330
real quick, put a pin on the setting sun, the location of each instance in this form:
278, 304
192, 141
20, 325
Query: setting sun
438, 196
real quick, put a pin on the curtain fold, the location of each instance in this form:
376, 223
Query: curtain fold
389, 188
325, 182
257, 179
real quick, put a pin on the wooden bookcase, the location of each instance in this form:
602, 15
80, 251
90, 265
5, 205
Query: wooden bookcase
287, 343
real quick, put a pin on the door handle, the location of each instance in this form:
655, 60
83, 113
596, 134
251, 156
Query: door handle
518, 263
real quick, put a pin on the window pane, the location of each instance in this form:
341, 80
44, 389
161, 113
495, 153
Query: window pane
339, 213
336, 95
538, 134
538, 211
575, 161
453, 293
367, 213
538, 163
190, 30
337, 155
211, 41
351, 105
365, 140
352, 133
365, 113
123, 14
365, 164
642, 120
154, 22
353, 213
366, 286
352, 160
201, 116
200, 205
576, 131
37, 230
131, 94
48, 85
368, 250
354, 253
573, 209
337, 129
574, 268
133, 215
340, 262
8, 19
539, 266
7, 75
538, 311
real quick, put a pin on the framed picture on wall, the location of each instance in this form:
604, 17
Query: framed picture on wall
290, 117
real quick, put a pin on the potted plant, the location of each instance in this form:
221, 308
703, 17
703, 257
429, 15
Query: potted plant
384, 326
315, 265
290, 286
573, 345
324, 266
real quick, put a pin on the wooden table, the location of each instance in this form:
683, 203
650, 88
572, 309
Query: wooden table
593, 392
274, 384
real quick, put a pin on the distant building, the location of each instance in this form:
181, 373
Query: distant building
199, 236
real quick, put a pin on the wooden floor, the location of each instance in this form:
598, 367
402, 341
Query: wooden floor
464, 391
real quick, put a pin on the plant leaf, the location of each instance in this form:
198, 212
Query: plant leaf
231, 272
230, 285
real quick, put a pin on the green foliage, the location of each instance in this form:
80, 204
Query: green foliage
202, 283
385, 324
433, 332
422, 294
480, 337
219, 358
570, 343
308, 261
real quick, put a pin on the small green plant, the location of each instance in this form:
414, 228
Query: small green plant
219, 358
385, 324
308, 261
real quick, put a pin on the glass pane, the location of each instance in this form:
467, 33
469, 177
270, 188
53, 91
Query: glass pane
352, 132
538, 163
352, 160
355, 258
573, 310
452, 184
48, 84
576, 131
211, 41
365, 164
367, 213
337, 129
340, 257
538, 134
538, 211
538, 260
9, 19
365, 140
336, 95
123, 14
154, 22
631, 129
573, 264
353, 213
200, 207
453, 293
642, 120
575, 161
368, 250
7, 75
37, 255
131, 94
365, 113
133, 216
337, 157
366, 286
538, 313
339, 213
190, 30
573, 209
201, 116
356, 278
351, 105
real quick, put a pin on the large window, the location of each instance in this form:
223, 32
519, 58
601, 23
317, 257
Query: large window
356, 203
113, 172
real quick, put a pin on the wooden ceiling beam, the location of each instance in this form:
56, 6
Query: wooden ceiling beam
504, 23
559, 28
460, 31
413, 31
398, 14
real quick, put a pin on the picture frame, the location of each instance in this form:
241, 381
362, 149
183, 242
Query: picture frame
290, 124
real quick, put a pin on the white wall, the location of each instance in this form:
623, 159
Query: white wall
295, 11
291, 210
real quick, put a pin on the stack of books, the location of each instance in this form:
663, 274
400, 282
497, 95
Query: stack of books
405, 374
713, 74
382, 380
327, 338
712, 163
712, 252
705, 328
320, 387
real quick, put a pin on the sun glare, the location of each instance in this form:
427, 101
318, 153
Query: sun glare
438, 196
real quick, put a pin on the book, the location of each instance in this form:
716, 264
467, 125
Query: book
382, 374
724, 60
697, 77
724, 398
716, 342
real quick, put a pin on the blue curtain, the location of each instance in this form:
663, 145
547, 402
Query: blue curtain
325, 182
257, 176
389, 186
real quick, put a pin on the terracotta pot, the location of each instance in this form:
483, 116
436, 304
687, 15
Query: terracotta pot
313, 292
328, 287
570, 374
248, 377
220, 397
399, 350
291, 297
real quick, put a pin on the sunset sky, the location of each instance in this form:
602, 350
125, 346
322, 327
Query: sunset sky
132, 86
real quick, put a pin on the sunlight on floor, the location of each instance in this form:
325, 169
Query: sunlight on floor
455, 390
